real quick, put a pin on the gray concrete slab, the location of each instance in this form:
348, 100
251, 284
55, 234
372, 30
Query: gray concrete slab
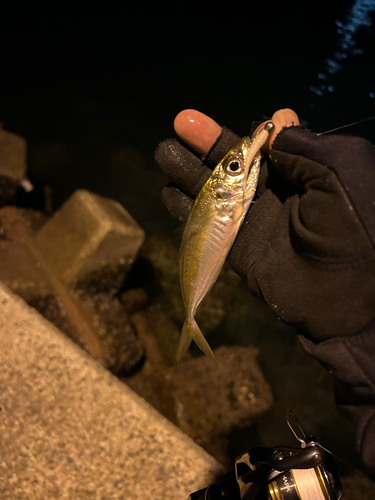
70, 429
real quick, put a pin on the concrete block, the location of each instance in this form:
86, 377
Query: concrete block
22, 272
70, 429
121, 348
214, 398
12, 165
17, 224
99, 324
206, 399
91, 242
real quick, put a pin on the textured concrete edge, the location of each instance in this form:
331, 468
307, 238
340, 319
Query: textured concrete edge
71, 429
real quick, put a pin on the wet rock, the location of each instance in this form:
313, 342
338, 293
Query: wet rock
91, 242
212, 398
12, 165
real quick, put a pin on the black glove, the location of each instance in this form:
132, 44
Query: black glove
307, 245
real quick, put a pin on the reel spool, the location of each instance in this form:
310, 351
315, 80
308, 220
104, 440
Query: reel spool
316, 483
280, 473
305, 484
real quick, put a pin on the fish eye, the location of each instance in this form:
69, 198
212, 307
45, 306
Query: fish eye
233, 166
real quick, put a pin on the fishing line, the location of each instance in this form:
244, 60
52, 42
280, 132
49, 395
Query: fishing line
348, 125
295, 426
338, 458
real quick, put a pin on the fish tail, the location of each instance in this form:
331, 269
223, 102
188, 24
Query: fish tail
191, 331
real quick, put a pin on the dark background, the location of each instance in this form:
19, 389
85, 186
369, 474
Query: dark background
81, 86
94, 92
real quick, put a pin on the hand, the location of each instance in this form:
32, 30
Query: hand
307, 244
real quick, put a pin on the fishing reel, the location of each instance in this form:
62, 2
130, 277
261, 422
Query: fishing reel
280, 473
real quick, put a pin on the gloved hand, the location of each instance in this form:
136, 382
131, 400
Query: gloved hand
307, 245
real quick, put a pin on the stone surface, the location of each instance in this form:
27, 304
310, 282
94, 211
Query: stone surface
12, 165
91, 242
98, 323
206, 399
70, 429
121, 347
22, 272
17, 223
213, 398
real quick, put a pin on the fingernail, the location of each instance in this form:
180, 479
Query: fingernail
197, 129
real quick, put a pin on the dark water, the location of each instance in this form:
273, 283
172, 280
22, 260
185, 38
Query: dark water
83, 85
94, 92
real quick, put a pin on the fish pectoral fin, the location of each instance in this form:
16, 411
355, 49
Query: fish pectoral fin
191, 331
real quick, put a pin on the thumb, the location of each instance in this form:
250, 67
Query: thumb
281, 119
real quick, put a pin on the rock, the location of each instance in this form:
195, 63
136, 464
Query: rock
213, 398
114, 328
20, 269
12, 165
98, 324
91, 242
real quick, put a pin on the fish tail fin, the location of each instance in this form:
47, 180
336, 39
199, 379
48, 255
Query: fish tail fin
191, 331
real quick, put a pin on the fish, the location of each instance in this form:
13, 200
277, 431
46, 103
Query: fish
212, 227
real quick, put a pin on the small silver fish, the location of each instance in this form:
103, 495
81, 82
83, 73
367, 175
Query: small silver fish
212, 227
